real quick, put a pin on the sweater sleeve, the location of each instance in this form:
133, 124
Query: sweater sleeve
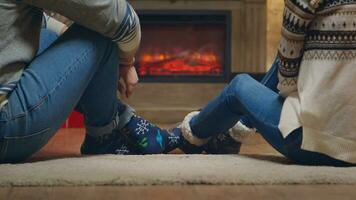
115, 19
297, 16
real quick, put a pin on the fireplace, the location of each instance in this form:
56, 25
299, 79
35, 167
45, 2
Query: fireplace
184, 46
190, 49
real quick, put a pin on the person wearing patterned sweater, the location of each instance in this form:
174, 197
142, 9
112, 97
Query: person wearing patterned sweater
311, 118
42, 78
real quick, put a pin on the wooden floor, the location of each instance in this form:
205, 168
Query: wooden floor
67, 142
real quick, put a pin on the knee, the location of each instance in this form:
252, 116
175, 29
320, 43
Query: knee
105, 47
240, 79
238, 83
101, 45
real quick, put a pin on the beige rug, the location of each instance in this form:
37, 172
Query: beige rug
170, 169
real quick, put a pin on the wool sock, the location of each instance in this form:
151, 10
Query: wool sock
222, 143
151, 139
113, 143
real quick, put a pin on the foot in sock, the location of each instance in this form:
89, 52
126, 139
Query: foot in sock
228, 142
149, 138
113, 143
222, 143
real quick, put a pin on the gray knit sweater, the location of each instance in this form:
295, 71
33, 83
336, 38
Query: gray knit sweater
20, 24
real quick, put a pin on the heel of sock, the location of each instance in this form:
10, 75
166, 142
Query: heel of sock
187, 131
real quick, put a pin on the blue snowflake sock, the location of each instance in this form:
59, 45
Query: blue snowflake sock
151, 139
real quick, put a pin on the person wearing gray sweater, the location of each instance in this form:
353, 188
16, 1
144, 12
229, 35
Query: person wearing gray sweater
78, 71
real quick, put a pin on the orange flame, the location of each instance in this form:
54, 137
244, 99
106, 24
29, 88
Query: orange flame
168, 64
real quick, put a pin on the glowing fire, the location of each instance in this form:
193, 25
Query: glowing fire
185, 63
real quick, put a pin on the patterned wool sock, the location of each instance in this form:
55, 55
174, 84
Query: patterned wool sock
151, 139
113, 143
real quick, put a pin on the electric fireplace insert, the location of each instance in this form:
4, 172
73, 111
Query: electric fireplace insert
184, 46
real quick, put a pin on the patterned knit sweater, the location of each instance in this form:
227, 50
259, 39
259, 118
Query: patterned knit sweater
317, 73
20, 24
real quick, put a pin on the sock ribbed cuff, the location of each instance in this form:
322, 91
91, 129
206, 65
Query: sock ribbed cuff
187, 131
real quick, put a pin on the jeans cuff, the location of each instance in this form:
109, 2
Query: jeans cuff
125, 116
122, 117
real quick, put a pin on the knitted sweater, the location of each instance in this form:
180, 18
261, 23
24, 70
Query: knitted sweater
317, 73
20, 24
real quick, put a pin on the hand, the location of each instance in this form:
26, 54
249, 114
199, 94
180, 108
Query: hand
129, 80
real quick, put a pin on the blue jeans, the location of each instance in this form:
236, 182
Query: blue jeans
270, 80
260, 106
78, 71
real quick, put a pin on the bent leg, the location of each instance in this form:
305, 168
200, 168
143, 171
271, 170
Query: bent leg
270, 80
51, 87
262, 107
244, 96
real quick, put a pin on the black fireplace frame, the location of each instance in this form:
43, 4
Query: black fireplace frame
191, 17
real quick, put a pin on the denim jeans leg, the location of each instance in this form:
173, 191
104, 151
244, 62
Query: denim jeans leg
99, 103
94, 95
244, 96
46, 39
51, 86
270, 80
